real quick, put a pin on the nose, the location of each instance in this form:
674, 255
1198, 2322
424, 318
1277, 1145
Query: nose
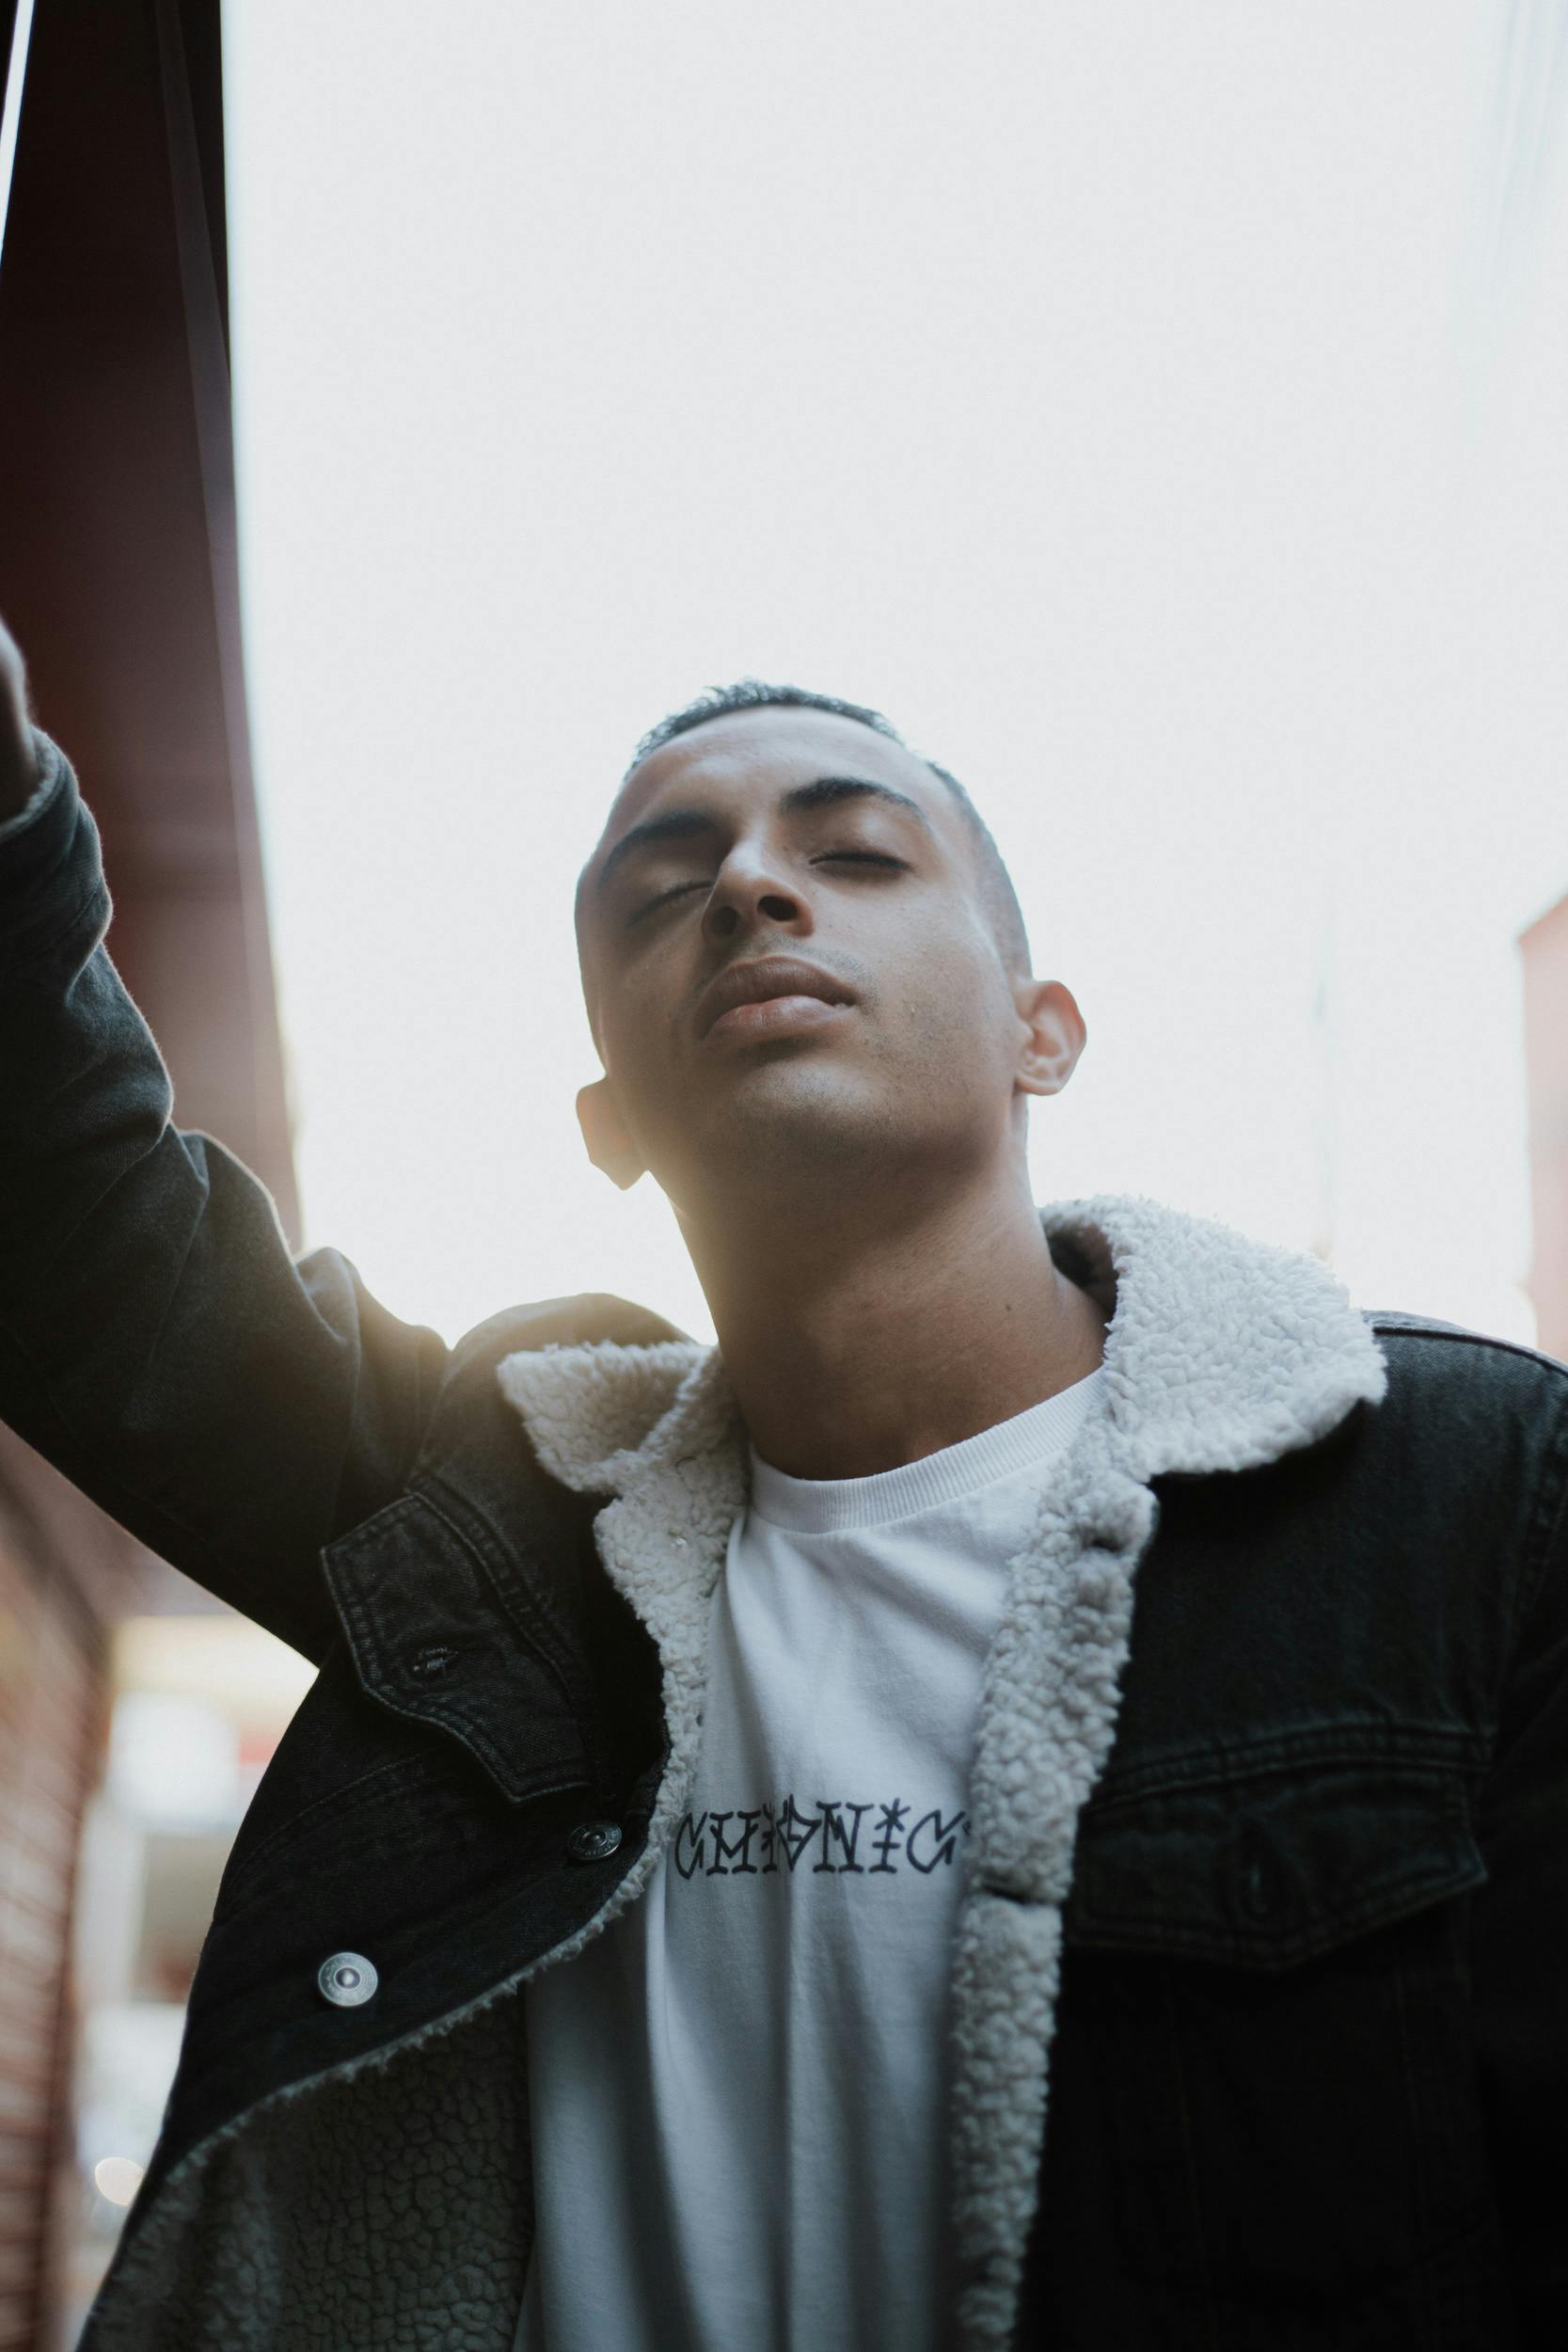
748, 890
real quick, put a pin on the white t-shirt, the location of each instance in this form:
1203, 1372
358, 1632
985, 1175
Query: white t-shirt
738, 2089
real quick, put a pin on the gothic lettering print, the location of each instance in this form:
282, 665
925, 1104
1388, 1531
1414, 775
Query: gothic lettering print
862, 1838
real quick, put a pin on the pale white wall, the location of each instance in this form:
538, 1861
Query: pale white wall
1157, 413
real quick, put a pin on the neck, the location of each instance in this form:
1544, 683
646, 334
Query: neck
858, 1343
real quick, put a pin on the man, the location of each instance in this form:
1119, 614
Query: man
1018, 1799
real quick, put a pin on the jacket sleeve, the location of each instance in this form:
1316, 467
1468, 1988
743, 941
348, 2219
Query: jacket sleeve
1519, 1940
234, 1408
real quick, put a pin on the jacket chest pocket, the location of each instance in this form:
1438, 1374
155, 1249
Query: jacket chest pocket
434, 1643
1265, 2001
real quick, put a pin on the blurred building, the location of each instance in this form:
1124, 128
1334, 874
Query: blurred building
1544, 947
118, 579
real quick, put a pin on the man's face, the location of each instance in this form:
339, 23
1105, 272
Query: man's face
791, 969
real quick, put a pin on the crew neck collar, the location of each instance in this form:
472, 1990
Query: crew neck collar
832, 1506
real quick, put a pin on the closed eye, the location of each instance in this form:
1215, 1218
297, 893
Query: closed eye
664, 898
828, 857
856, 857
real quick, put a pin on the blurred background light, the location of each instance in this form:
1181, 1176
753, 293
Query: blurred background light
117, 2178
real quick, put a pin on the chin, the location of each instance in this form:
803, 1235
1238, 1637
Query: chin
782, 1125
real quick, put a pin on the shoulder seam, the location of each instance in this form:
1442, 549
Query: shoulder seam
1399, 1330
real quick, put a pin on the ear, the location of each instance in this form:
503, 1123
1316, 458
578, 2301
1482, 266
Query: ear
1053, 1036
610, 1147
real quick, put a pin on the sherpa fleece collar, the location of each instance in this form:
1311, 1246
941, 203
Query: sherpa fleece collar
1222, 1353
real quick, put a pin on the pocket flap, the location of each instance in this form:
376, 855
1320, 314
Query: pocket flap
1266, 1869
432, 1638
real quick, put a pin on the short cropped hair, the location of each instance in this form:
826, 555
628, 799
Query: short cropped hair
997, 896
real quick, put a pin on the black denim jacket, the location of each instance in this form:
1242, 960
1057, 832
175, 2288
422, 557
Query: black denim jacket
1280, 1922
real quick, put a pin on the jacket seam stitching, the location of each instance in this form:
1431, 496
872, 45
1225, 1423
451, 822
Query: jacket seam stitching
1472, 1339
1431, 1754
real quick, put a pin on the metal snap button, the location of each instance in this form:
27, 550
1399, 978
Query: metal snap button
346, 1980
434, 1659
592, 1840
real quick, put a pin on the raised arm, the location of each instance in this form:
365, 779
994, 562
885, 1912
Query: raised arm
235, 1409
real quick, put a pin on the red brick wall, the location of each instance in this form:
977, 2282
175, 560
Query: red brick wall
52, 1697
1544, 950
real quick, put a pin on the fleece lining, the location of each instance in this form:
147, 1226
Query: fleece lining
1222, 1353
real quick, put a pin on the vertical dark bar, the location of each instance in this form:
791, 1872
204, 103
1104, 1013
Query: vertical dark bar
196, 181
16, 18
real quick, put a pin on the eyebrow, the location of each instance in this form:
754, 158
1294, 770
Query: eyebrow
680, 824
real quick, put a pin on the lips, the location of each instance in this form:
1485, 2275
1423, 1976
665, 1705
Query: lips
762, 978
